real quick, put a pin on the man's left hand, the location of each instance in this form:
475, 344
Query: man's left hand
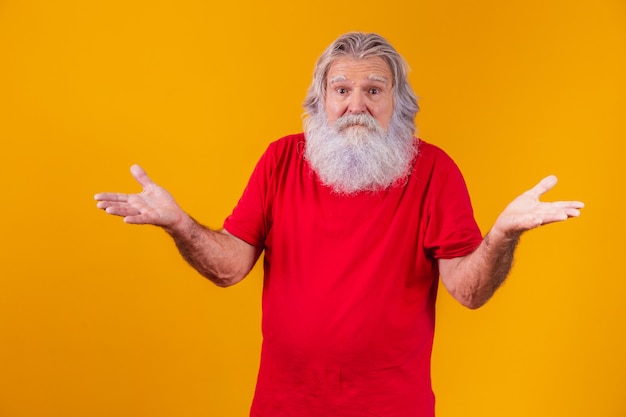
527, 212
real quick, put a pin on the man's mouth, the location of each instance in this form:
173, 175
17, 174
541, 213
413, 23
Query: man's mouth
351, 125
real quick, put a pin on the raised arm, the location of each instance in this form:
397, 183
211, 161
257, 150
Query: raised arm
219, 256
474, 278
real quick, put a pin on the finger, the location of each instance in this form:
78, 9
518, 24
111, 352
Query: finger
572, 212
559, 215
140, 175
105, 204
122, 211
139, 219
543, 186
118, 197
559, 209
556, 217
568, 204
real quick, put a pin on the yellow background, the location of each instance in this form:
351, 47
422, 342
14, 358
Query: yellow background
99, 318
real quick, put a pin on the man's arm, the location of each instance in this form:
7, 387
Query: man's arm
473, 279
219, 256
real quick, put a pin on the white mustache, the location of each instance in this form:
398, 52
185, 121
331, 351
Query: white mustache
361, 119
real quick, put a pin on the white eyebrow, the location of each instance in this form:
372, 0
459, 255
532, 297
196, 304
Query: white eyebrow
378, 78
337, 79
342, 78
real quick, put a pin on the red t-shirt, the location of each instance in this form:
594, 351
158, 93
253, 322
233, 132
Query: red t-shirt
350, 283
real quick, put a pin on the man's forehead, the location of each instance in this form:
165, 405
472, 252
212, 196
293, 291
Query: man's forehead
373, 68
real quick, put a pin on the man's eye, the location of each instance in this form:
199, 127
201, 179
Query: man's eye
374, 91
342, 90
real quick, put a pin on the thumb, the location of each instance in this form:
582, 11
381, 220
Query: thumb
543, 186
140, 175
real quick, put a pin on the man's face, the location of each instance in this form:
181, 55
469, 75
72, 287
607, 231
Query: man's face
357, 86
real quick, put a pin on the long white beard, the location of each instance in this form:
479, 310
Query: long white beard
355, 154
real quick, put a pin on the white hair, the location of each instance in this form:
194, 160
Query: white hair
359, 45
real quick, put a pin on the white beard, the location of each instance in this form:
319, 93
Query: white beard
355, 154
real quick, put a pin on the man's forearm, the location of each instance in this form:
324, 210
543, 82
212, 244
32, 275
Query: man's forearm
218, 256
473, 279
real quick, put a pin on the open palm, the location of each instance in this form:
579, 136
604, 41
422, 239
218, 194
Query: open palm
153, 205
527, 212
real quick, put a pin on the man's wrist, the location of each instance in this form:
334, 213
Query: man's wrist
499, 236
183, 227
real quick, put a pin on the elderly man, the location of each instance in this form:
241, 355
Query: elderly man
358, 219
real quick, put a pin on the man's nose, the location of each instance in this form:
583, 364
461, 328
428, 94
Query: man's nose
356, 104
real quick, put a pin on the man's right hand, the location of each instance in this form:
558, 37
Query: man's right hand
153, 205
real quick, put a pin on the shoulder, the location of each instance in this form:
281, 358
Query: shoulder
287, 145
432, 153
282, 154
433, 162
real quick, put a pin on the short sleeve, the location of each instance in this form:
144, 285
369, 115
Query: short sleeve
248, 220
451, 228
